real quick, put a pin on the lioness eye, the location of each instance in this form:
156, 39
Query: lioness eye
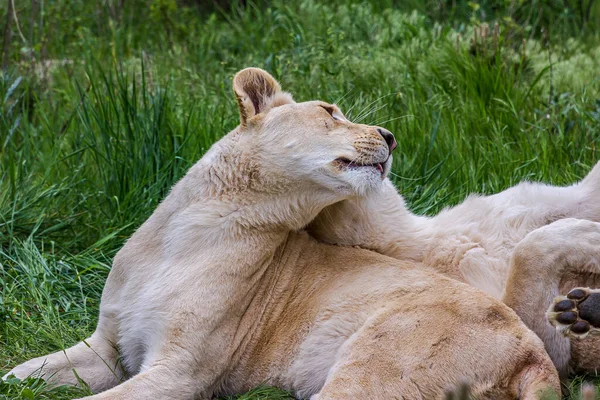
331, 112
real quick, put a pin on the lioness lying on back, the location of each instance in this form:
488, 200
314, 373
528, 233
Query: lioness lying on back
220, 291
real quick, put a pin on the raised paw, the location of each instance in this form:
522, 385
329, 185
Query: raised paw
577, 314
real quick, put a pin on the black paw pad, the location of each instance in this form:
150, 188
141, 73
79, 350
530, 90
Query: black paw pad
567, 318
589, 309
578, 313
577, 294
580, 327
564, 305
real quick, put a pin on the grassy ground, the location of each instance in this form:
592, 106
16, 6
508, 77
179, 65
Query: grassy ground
104, 106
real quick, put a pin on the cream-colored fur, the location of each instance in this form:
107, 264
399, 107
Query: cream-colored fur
523, 246
220, 289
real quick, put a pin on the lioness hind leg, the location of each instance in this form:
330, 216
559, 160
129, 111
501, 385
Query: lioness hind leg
538, 264
433, 351
577, 314
93, 361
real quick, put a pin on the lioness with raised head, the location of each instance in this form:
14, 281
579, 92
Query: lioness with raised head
524, 246
220, 290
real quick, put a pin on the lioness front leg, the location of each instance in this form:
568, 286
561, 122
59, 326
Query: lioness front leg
538, 263
93, 362
378, 221
161, 381
577, 314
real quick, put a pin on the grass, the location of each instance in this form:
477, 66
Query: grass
103, 108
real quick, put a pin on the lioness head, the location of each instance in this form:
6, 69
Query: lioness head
310, 141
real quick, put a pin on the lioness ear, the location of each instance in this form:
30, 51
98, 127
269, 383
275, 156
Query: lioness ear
256, 92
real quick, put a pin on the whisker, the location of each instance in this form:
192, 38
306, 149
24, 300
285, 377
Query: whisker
404, 177
368, 110
354, 159
340, 99
393, 119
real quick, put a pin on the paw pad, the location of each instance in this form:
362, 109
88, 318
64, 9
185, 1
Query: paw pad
564, 305
577, 314
580, 327
567, 318
577, 294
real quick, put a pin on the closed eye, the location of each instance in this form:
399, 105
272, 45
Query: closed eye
331, 112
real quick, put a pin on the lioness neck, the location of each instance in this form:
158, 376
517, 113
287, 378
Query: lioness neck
229, 200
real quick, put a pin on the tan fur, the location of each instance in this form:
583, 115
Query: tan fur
525, 246
220, 289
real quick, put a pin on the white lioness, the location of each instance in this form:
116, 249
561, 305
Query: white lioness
523, 246
220, 290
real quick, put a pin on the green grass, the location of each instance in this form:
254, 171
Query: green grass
102, 110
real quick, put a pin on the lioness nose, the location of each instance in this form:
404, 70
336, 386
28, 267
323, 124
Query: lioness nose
388, 137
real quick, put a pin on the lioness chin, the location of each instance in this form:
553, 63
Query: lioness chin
220, 290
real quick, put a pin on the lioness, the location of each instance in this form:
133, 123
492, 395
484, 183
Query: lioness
220, 290
523, 246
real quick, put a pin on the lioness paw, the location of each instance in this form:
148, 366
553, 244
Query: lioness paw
577, 314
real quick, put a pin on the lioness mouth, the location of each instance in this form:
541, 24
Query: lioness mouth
354, 164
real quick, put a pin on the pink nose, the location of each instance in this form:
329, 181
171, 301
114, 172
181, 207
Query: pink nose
389, 138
